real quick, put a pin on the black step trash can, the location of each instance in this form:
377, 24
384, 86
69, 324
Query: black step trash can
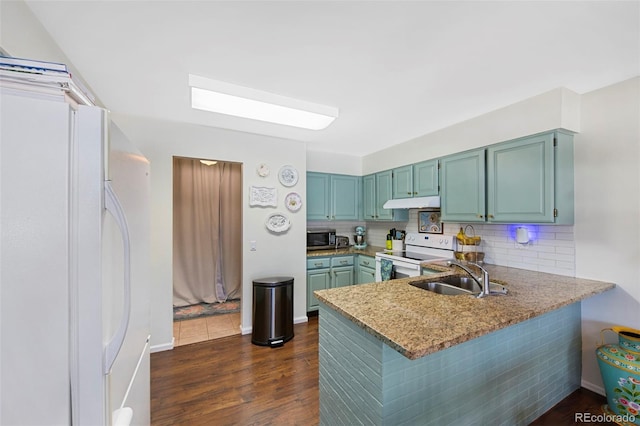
272, 311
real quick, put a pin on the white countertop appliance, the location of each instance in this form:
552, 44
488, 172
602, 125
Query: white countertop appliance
419, 248
75, 245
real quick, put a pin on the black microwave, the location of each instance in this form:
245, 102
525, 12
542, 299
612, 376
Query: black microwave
321, 238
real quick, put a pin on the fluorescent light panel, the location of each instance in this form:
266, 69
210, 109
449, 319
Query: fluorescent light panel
230, 99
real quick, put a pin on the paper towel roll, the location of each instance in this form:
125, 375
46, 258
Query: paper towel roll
522, 235
397, 245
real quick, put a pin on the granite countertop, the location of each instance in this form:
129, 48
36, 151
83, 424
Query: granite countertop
368, 251
417, 322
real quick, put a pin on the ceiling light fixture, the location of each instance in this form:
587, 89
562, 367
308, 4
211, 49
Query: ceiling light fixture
208, 162
230, 99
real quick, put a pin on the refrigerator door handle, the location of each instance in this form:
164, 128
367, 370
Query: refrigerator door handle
113, 206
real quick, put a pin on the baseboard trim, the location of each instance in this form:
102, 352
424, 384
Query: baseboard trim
163, 347
298, 320
593, 388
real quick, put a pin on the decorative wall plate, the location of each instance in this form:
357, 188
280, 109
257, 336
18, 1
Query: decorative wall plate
263, 196
288, 176
263, 170
277, 222
293, 201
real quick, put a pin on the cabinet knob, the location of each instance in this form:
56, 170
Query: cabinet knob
327, 217
480, 216
343, 262
490, 216
415, 193
365, 262
409, 193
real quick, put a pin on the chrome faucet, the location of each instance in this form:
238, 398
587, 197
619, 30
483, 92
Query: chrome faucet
482, 281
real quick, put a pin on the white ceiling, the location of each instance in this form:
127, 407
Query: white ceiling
396, 70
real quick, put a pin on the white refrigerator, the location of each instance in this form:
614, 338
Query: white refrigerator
74, 259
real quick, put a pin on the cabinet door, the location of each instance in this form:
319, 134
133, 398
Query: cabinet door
403, 182
318, 196
520, 180
345, 197
366, 275
369, 197
366, 271
342, 276
425, 179
316, 280
384, 191
463, 187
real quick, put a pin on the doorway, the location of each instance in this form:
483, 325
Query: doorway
207, 249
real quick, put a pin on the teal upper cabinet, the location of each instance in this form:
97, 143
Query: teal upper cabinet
377, 190
520, 180
333, 197
425, 179
463, 187
528, 180
369, 209
384, 192
403, 182
417, 180
318, 200
345, 197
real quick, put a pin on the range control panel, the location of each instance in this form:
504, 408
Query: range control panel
439, 241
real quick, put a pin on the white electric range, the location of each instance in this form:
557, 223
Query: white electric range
419, 248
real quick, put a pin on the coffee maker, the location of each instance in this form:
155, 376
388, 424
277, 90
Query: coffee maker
358, 238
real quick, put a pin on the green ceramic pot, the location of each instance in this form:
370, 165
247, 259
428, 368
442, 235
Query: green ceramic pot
620, 369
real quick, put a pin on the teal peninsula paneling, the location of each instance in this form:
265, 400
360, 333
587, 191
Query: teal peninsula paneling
510, 376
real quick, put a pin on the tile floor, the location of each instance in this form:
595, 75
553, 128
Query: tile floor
205, 328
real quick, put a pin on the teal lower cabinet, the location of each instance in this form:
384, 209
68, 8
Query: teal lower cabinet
510, 376
318, 278
328, 272
342, 271
428, 271
366, 269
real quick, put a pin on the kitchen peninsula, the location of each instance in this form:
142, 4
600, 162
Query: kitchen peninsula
392, 353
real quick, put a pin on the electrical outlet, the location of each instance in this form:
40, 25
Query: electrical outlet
252, 245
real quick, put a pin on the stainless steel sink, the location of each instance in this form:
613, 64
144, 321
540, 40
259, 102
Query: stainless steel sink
457, 284
463, 282
442, 288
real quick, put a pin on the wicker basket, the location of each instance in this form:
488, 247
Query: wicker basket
469, 241
470, 256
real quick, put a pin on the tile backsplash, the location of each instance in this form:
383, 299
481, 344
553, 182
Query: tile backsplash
551, 247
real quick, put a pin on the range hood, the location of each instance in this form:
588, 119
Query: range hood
413, 203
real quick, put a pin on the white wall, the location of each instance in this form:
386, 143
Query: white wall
607, 201
281, 255
328, 162
23, 36
559, 108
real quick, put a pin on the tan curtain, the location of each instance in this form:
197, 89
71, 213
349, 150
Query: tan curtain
207, 219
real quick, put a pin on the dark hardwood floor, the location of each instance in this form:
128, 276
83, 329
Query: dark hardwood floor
230, 381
